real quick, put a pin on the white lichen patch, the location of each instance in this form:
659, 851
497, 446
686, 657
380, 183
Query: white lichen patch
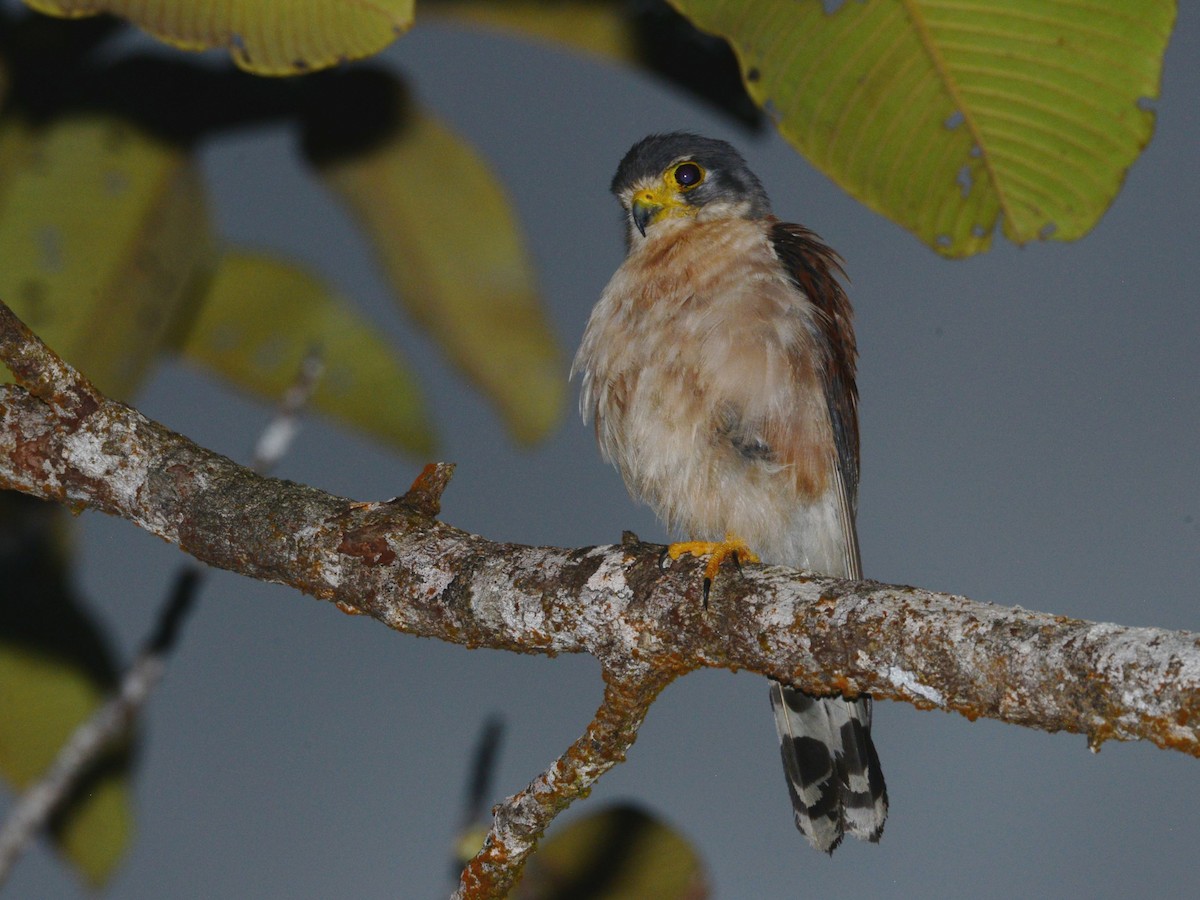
431, 580
608, 580
606, 596
906, 681
331, 566
331, 571
1141, 660
106, 457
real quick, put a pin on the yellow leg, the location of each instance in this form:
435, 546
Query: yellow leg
717, 552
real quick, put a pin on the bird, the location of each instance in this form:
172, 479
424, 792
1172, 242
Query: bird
718, 370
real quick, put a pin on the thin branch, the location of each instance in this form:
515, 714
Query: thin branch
99, 731
520, 821
395, 561
276, 439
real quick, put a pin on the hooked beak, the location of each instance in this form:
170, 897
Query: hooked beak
643, 209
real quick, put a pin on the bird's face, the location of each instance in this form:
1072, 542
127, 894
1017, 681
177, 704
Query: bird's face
684, 176
671, 195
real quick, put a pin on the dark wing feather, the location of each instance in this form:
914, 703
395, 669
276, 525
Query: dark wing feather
833, 771
816, 269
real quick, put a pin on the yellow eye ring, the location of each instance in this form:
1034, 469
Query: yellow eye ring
687, 175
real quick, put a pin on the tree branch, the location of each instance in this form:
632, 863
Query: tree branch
60, 439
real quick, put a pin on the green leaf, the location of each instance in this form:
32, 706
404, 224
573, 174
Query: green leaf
950, 115
55, 669
266, 37
451, 246
260, 319
617, 853
104, 236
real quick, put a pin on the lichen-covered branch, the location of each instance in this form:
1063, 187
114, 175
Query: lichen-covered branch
520, 820
393, 560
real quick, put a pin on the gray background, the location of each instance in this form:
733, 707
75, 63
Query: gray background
1029, 423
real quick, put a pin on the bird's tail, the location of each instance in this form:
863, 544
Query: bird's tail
832, 769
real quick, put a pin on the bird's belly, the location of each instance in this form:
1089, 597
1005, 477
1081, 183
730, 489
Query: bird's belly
662, 439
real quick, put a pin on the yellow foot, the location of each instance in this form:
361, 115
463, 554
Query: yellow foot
717, 552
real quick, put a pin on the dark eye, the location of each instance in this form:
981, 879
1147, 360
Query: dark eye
688, 175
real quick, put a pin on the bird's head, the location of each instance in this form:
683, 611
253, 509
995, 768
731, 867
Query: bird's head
681, 175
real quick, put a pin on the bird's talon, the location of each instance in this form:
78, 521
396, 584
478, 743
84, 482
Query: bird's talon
717, 552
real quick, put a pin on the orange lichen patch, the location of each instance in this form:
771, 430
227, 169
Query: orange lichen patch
843, 686
348, 609
425, 494
970, 713
479, 877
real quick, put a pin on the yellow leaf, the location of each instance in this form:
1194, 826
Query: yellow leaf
260, 319
43, 701
100, 830
266, 37
617, 853
949, 116
451, 246
104, 235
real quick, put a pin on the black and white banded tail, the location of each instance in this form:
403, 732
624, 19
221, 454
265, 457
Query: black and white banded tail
833, 772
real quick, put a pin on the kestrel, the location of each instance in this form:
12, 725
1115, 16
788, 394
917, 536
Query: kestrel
718, 366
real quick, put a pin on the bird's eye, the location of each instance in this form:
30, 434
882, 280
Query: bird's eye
688, 175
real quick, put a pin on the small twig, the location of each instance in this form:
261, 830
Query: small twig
277, 437
112, 719
521, 820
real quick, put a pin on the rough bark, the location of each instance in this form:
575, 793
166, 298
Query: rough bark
645, 623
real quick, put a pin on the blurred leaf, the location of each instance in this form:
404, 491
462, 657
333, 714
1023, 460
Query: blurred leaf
451, 246
55, 669
602, 27
616, 854
104, 235
44, 698
97, 834
949, 117
260, 319
266, 37
647, 33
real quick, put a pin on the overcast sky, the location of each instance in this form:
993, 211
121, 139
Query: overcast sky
1030, 433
